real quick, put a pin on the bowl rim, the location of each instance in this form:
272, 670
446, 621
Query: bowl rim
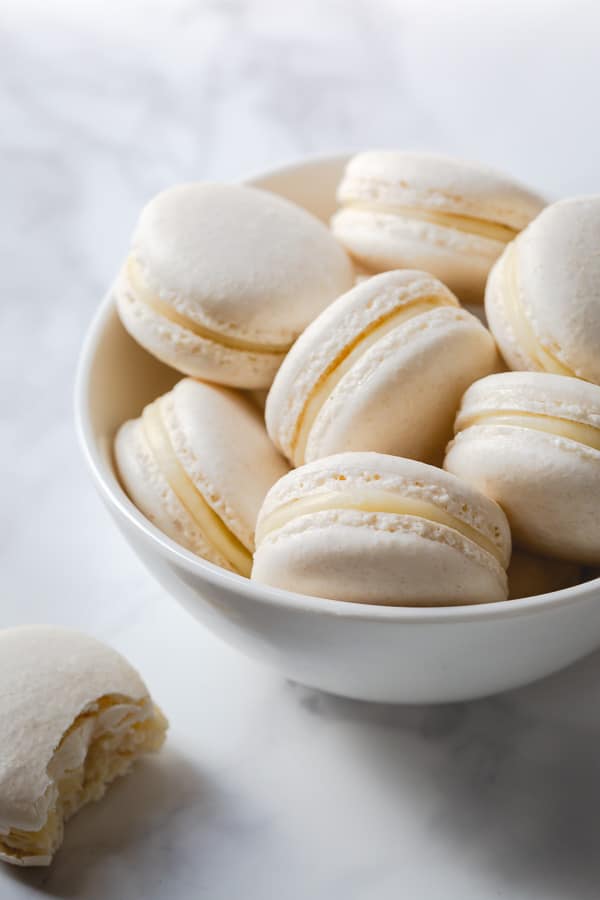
117, 500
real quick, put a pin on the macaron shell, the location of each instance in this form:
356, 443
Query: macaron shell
188, 352
431, 181
378, 559
150, 491
219, 438
49, 676
239, 260
558, 274
381, 241
548, 486
401, 397
327, 338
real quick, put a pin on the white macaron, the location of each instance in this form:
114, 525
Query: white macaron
543, 295
530, 575
531, 441
422, 211
372, 528
74, 715
198, 463
383, 368
221, 279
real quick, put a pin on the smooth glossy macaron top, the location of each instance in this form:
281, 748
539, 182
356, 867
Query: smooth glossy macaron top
382, 368
543, 295
373, 528
59, 691
426, 211
198, 463
531, 440
221, 279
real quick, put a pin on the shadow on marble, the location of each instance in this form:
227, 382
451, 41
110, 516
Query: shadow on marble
129, 826
512, 782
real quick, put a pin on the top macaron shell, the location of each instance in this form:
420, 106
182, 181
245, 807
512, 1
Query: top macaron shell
517, 441
553, 270
359, 555
221, 279
390, 201
437, 183
400, 395
49, 676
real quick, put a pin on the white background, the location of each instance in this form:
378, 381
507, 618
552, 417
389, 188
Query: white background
268, 789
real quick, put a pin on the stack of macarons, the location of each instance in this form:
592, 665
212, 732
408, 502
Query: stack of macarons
395, 459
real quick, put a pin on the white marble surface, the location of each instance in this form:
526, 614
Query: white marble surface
268, 790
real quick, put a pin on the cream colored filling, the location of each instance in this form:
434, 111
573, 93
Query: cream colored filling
588, 435
521, 325
106, 756
142, 293
344, 361
210, 524
467, 224
373, 501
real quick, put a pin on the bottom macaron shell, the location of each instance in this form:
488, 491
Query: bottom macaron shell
190, 353
402, 396
383, 241
378, 558
548, 486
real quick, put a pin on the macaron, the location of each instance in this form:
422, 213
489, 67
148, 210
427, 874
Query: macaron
531, 441
221, 279
423, 211
543, 295
383, 368
379, 529
74, 715
530, 575
198, 463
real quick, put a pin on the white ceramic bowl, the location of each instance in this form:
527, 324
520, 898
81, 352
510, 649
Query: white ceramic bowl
387, 654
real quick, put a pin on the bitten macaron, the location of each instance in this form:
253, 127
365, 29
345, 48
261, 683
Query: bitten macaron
383, 368
379, 529
74, 715
423, 211
221, 279
531, 441
543, 295
198, 463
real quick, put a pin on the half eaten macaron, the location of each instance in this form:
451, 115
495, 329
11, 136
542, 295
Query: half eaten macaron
74, 715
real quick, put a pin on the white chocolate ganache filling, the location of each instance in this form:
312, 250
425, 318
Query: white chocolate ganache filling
373, 501
468, 224
587, 435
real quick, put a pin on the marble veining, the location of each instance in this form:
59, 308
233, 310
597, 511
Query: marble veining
268, 789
